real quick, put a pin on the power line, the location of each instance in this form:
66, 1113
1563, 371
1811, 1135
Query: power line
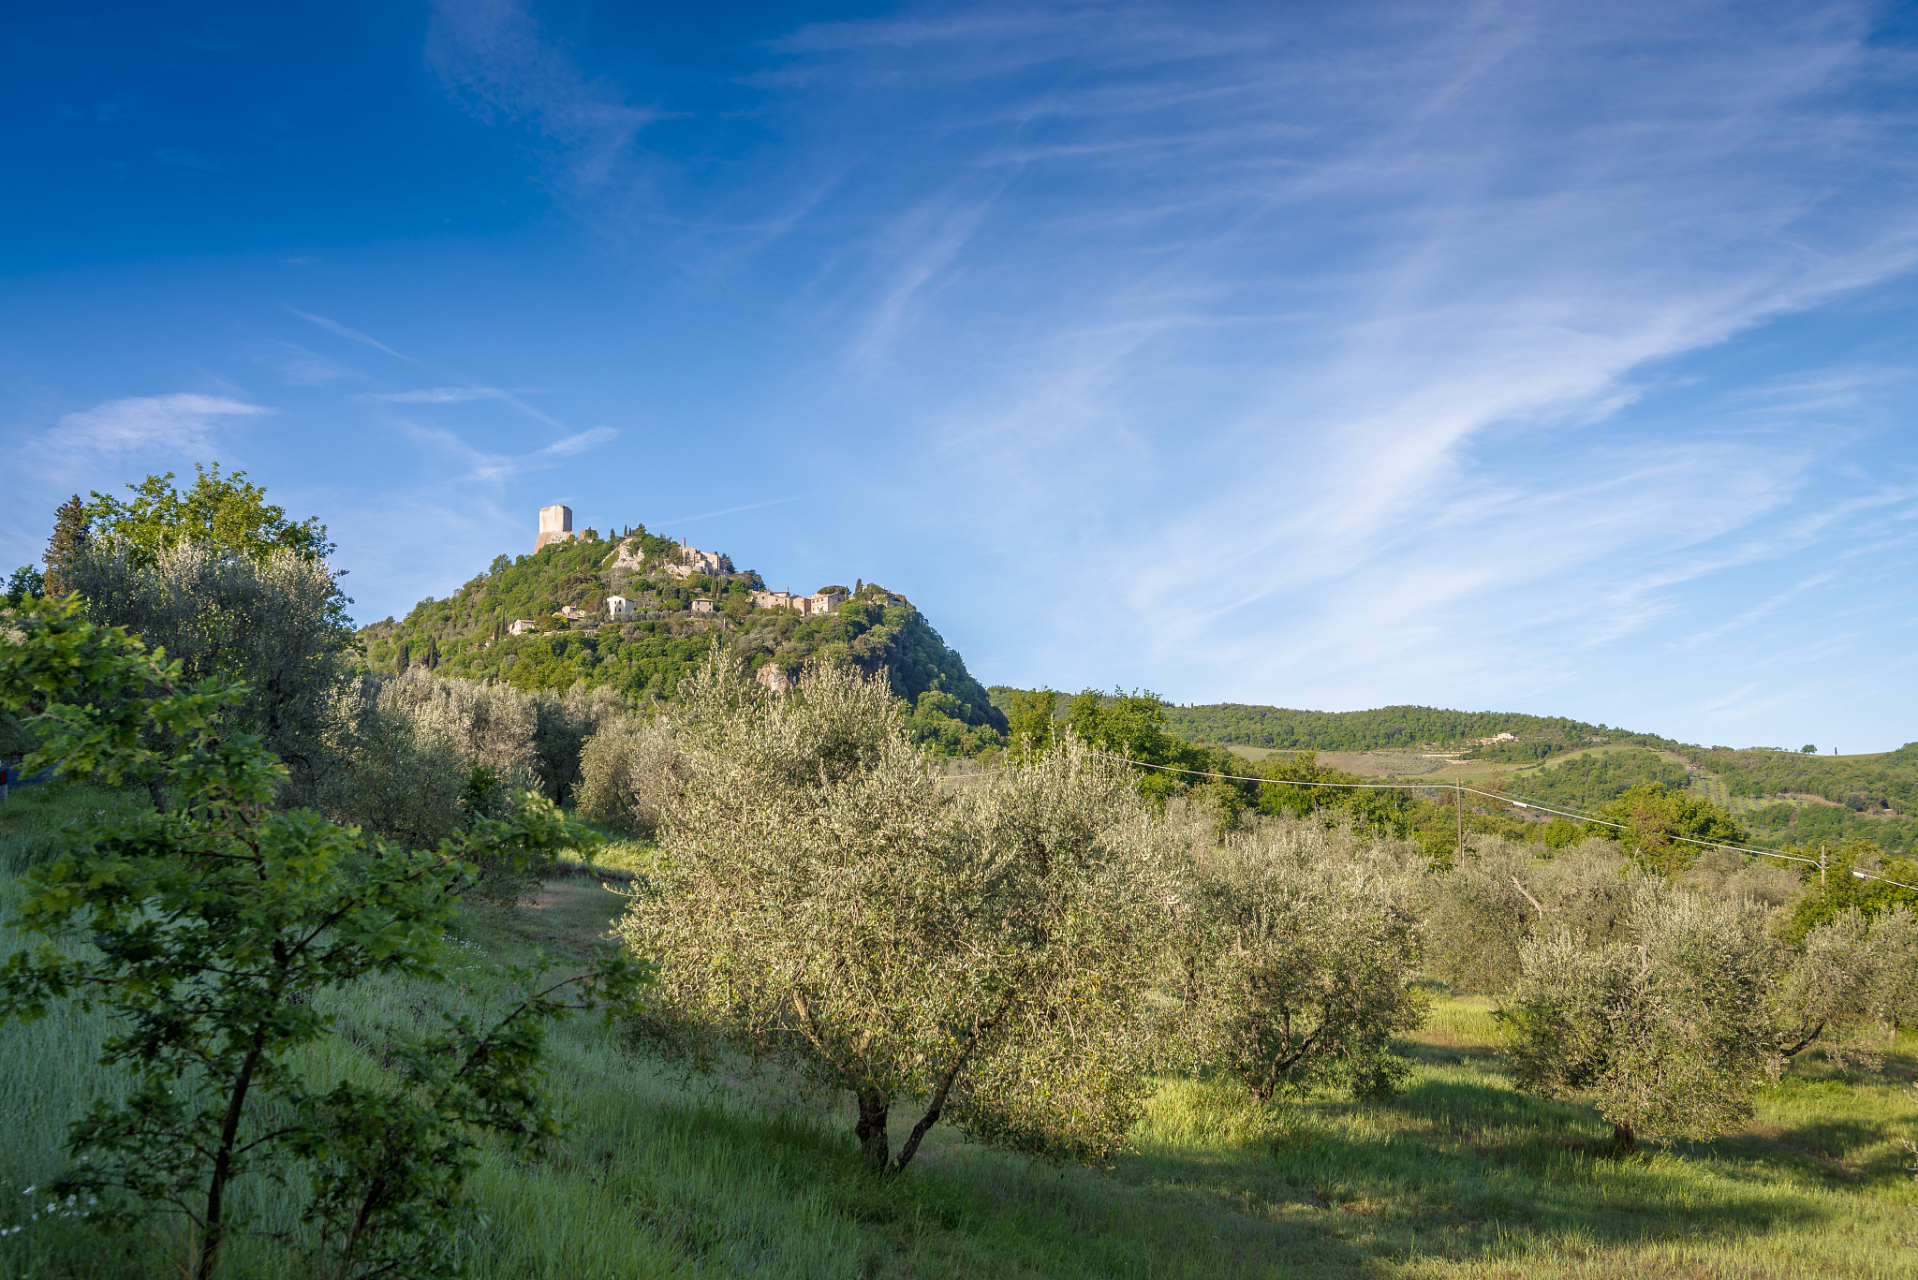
1523, 804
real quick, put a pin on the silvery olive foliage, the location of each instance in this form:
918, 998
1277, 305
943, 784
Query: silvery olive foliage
1671, 1019
269, 620
1498, 895
491, 725
417, 754
630, 773
822, 900
1853, 982
1667, 1030
1298, 965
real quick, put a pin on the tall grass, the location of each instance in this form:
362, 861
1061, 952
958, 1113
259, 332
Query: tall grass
1459, 1176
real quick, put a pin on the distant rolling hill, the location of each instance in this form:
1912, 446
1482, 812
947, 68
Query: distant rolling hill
1788, 797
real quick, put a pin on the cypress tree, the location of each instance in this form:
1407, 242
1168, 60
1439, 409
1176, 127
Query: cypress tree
71, 533
403, 661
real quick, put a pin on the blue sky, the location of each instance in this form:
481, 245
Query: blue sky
1542, 357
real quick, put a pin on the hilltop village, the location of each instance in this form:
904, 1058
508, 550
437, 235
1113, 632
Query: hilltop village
636, 612
683, 561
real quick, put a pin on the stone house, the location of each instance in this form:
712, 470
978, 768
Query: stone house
702, 606
618, 607
521, 626
809, 606
692, 560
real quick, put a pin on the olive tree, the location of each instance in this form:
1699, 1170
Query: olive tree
1672, 1021
268, 621
629, 773
1498, 895
1298, 972
1853, 982
1668, 1032
822, 900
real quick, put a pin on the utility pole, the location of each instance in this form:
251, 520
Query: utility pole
1458, 804
1821, 868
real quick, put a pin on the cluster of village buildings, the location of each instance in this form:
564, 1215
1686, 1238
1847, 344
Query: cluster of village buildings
556, 525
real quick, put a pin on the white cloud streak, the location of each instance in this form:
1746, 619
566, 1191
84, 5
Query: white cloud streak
1316, 345
182, 423
496, 469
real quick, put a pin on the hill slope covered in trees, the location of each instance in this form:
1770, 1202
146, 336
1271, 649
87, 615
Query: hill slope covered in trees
1788, 797
467, 633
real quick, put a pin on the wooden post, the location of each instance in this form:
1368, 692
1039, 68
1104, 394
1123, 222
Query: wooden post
1821, 868
1458, 804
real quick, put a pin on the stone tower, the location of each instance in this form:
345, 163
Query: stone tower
555, 525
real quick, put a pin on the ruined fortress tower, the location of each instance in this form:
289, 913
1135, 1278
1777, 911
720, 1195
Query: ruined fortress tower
555, 525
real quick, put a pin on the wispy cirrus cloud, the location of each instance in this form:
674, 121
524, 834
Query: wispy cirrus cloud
435, 395
495, 468
351, 335
1319, 348
182, 423
430, 395
493, 56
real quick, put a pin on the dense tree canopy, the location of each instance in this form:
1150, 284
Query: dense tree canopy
226, 512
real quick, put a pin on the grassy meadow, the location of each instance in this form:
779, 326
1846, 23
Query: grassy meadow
659, 1176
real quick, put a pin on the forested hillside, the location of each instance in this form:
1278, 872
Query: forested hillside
1818, 798
1283, 729
1823, 798
466, 634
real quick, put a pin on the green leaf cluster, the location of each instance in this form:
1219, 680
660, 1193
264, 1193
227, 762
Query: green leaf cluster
228, 512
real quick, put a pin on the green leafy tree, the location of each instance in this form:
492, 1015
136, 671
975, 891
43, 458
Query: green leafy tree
1836, 886
1032, 720
72, 535
1666, 830
227, 512
1133, 726
25, 583
211, 931
823, 903
1300, 784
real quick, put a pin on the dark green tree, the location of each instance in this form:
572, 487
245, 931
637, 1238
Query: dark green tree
1033, 720
1835, 887
71, 536
25, 583
1299, 785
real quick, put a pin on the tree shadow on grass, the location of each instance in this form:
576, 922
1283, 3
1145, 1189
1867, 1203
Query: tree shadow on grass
1823, 1148
1470, 1170
737, 1187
